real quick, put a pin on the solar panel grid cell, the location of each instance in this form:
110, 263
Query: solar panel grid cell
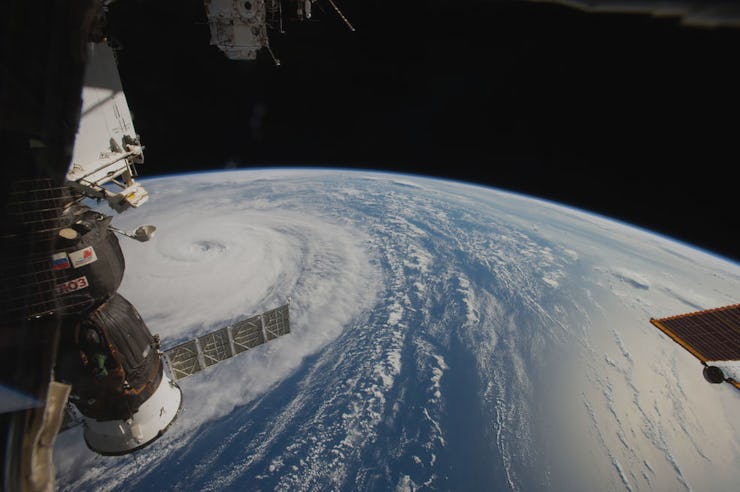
247, 334
215, 346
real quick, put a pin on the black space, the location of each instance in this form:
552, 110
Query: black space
629, 116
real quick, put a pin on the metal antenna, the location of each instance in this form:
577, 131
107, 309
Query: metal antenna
274, 58
341, 15
280, 13
142, 233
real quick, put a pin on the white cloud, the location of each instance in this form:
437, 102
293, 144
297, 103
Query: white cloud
225, 259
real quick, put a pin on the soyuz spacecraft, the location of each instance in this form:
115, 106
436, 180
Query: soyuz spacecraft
113, 365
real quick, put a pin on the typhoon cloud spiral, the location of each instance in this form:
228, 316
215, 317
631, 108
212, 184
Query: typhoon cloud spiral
444, 336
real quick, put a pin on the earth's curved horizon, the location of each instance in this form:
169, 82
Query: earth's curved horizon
402, 174
444, 335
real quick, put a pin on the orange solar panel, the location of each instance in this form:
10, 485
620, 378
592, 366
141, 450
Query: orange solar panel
709, 335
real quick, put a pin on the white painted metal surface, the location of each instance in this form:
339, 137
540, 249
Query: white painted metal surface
238, 28
115, 437
106, 147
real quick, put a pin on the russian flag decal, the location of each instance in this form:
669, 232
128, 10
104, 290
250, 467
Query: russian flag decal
60, 261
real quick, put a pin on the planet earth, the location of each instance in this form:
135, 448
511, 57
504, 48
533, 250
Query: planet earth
443, 336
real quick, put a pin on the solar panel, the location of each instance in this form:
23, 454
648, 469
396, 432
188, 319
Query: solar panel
247, 334
183, 360
195, 355
276, 322
711, 335
215, 347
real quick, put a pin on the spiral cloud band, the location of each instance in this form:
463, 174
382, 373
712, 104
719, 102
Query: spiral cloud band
443, 336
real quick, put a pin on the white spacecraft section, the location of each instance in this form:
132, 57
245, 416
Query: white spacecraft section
195, 355
106, 147
238, 28
151, 420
